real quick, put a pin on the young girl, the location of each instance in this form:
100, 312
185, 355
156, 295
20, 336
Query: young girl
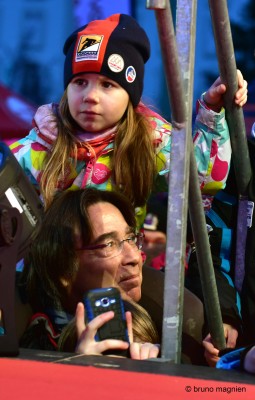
101, 135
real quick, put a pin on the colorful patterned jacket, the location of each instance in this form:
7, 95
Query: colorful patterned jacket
211, 140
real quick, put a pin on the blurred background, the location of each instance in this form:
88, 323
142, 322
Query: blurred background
32, 34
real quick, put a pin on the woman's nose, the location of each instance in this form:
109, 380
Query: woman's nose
130, 251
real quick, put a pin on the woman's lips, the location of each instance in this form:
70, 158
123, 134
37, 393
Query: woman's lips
130, 282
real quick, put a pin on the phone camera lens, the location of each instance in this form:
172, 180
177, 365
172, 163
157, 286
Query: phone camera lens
105, 302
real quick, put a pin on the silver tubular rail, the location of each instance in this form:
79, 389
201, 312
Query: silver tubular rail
178, 189
181, 159
185, 36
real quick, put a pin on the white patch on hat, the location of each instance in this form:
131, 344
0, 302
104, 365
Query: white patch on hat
130, 74
115, 63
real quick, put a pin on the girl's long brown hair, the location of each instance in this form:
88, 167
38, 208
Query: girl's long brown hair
144, 329
133, 162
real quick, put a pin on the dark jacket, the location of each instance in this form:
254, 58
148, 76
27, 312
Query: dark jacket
222, 218
248, 288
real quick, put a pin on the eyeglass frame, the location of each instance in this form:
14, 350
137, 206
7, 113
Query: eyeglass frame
139, 235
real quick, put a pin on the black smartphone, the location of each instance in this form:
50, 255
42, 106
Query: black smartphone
99, 301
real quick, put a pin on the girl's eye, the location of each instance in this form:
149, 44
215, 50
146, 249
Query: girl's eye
79, 82
107, 84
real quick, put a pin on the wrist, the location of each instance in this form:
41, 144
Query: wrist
213, 107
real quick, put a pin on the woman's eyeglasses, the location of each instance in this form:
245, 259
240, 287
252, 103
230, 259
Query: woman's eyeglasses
115, 246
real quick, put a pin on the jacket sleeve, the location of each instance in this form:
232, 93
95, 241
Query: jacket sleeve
232, 359
212, 148
30, 155
228, 297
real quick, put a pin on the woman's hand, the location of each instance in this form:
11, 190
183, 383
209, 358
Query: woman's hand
86, 343
214, 95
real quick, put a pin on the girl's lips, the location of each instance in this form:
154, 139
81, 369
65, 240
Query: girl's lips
87, 112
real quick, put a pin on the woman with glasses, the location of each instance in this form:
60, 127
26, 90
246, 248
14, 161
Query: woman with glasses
88, 240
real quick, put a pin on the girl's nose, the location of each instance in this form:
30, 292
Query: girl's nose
91, 94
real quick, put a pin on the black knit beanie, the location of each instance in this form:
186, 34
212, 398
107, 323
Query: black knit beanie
116, 47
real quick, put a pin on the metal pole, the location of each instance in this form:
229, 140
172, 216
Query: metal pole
177, 200
234, 113
204, 258
178, 190
185, 37
170, 60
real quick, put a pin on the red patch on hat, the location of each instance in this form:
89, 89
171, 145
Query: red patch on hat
100, 33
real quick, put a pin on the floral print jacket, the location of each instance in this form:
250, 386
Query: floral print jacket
211, 145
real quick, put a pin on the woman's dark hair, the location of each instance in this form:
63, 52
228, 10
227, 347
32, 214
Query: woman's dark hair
53, 258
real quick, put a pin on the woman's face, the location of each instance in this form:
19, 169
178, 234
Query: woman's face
95, 102
124, 270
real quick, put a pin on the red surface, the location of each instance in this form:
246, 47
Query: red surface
41, 380
16, 115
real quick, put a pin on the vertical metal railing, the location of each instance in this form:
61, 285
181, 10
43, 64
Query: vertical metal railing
181, 159
178, 187
186, 37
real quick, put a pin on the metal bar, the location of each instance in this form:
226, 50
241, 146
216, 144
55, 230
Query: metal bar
234, 113
170, 60
185, 37
204, 258
177, 205
177, 193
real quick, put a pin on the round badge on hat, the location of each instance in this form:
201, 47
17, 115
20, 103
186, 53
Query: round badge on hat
115, 63
130, 74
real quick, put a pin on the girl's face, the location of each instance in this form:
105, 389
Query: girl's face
95, 102
124, 270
